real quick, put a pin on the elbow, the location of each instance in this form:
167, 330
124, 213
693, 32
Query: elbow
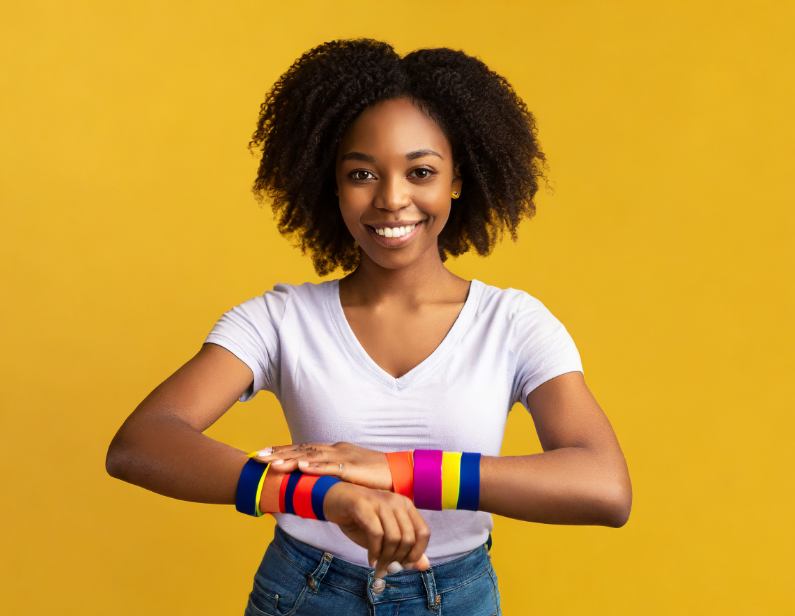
116, 459
113, 464
617, 503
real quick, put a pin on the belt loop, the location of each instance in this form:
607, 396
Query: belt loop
313, 579
434, 600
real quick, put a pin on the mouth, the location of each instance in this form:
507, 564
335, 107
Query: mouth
394, 235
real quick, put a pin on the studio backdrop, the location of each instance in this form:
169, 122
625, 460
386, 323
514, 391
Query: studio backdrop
664, 243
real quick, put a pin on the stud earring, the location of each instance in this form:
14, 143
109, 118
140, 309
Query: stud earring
455, 195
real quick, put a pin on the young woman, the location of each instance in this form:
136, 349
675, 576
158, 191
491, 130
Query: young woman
384, 166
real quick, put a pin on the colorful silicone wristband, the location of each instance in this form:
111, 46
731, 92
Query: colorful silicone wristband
322, 485
402, 468
249, 487
428, 479
291, 482
469, 491
258, 497
446, 480
451, 479
303, 495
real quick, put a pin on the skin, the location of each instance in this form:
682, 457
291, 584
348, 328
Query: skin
400, 302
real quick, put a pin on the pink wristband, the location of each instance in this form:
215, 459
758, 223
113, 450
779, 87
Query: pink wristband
428, 479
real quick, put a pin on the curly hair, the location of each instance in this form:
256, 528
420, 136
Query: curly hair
304, 116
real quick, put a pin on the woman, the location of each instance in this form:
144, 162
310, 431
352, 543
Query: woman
385, 166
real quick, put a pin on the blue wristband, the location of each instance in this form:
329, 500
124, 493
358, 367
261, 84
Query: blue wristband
469, 491
322, 485
247, 487
292, 481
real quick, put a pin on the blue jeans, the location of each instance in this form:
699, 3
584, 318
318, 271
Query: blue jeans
297, 579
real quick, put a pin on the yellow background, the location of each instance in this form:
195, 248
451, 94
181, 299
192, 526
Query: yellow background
666, 249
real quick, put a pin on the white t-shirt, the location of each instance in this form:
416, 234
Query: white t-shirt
298, 344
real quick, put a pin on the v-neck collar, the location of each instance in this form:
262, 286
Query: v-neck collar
419, 371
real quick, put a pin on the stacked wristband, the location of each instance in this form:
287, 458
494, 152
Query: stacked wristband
249, 487
401, 465
303, 495
446, 480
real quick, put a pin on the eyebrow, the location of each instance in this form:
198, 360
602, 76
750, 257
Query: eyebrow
371, 159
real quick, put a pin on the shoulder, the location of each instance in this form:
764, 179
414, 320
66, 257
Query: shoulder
274, 303
511, 303
522, 316
284, 293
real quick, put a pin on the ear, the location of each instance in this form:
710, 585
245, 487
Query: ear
457, 179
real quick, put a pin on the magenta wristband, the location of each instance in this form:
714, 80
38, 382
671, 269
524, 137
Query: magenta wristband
428, 479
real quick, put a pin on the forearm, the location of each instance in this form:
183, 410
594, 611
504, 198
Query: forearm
570, 485
168, 456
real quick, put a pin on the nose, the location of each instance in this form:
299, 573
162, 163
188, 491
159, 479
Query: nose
392, 194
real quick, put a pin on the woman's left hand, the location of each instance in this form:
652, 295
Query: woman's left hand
350, 463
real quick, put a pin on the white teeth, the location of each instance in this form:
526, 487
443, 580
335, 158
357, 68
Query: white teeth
395, 231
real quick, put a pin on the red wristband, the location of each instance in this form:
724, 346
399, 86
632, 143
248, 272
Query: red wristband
401, 466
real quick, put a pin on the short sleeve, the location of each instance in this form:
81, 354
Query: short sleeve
544, 348
250, 331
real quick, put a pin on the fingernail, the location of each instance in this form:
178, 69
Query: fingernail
394, 567
303, 464
266, 452
277, 462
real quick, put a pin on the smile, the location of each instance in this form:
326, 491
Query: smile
395, 235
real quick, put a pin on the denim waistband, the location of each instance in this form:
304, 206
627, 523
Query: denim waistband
435, 580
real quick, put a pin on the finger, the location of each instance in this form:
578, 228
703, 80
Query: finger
369, 521
407, 536
284, 455
332, 469
422, 564
277, 449
422, 535
390, 541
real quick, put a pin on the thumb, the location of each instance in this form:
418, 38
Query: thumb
422, 564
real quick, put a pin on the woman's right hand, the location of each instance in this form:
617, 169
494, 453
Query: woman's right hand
388, 525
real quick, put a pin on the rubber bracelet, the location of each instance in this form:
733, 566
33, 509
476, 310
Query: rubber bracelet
401, 467
249, 486
303, 495
290, 481
258, 497
428, 479
322, 485
469, 492
451, 479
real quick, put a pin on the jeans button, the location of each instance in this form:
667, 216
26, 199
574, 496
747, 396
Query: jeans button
378, 586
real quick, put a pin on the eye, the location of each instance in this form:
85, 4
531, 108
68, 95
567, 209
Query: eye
423, 173
357, 175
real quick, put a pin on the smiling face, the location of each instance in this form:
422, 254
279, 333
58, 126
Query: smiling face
395, 178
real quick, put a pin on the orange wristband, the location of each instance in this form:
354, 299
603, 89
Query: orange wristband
401, 466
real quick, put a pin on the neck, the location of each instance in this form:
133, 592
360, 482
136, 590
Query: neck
424, 280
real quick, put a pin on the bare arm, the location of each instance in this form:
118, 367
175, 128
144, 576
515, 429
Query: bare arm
581, 478
161, 447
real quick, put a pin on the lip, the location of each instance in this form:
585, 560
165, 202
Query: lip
394, 242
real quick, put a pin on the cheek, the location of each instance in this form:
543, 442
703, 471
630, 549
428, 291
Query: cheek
437, 206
